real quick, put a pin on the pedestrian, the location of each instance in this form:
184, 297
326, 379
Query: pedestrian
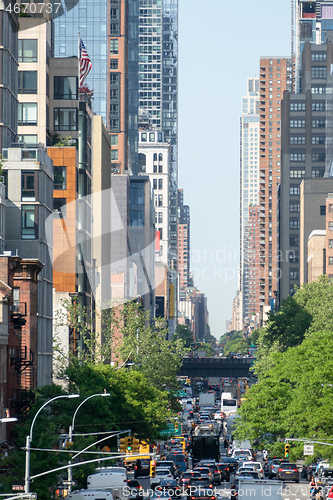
304, 473
313, 488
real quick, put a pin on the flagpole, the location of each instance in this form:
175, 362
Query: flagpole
79, 62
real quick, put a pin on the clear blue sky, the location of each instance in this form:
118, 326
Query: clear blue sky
220, 44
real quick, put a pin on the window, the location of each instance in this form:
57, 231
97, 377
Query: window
114, 154
160, 200
160, 217
330, 261
27, 50
297, 156
294, 274
294, 190
160, 169
28, 186
319, 123
330, 225
297, 139
27, 113
294, 224
318, 89
155, 169
297, 123
318, 172
319, 72
28, 139
27, 82
113, 63
160, 157
319, 139
294, 256
318, 155
114, 140
29, 222
330, 243
65, 119
114, 46
59, 174
59, 206
151, 136
319, 106
144, 137
297, 106
154, 183
294, 206
322, 209
294, 241
65, 87
330, 207
318, 56
160, 183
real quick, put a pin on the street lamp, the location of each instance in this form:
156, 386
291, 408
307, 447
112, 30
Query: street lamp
29, 438
70, 435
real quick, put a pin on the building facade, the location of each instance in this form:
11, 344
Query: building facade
249, 177
29, 181
276, 76
306, 154
9, 56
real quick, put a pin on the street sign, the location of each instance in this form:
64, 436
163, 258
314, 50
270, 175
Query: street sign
308, 449
69, 483
17, 487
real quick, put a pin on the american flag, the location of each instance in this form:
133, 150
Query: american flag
85, 63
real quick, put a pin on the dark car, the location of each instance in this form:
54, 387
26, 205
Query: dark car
216, 475
287, 472
186, 476
202, 482
171, 486
273, 466
231, 463
205, 471
141, 467
135, 489
200, 488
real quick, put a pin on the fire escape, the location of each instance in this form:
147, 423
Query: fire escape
22, 358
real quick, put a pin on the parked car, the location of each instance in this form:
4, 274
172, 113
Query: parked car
287, 472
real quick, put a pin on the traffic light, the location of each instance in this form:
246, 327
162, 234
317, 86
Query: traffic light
286, 450
176, 426
135, 444
152, 468
123, 445
128, 441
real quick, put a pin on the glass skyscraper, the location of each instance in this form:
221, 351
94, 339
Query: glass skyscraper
89, 18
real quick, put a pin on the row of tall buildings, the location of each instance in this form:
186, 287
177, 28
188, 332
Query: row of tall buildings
90, 209
285, 169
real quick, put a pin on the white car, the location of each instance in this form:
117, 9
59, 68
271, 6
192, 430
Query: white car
242, 453
161, 473
258, 466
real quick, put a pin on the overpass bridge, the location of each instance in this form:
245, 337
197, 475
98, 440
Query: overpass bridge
216, 367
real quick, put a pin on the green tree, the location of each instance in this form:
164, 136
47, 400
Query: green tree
147, 346
184, 333
134, 404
